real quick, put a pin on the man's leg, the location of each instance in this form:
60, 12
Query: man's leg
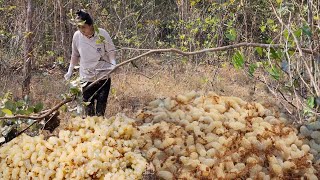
102, 97
89, 109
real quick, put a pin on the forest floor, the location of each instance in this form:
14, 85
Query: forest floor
133, 87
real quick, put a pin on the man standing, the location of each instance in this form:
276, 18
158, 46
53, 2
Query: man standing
96, 58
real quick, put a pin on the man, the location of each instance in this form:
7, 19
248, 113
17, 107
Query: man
96, 58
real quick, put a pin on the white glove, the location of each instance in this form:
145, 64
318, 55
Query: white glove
113, 64
68, 75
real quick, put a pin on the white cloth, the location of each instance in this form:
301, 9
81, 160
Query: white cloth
96, 59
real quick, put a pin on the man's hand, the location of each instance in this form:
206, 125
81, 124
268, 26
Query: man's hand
69, 73
112, 67
67, 76
113, 64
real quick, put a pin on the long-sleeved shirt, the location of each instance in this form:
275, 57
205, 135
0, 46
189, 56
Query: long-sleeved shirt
95, 58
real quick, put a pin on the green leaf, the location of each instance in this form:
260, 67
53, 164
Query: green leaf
29, 110
275, 54
96, 29
298, 33
7, 111
60, 60
12, 7
98, 41
306, 30
86, 103
75, 91
38, 107
27, 34
20, 104
275, 72
291, 52
238, 60
50, 53
184, 60
307, 111
286, 34
232, 34
10, 105
80, 23
113, 91
8, 96
263, 28
22, 112
252, 69
270, 22
204, 80
259, 51
311, 102
63, 108
102, 38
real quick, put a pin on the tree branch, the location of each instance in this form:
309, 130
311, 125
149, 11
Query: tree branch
300, 50
39, 117
46, 113
223, 48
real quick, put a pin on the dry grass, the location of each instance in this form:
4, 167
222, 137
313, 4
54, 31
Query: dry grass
133, 87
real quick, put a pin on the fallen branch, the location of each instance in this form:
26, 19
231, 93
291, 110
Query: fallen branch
40, 117
223, 48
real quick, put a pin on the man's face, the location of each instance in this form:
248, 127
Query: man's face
86, 30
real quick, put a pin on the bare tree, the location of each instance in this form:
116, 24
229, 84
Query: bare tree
28, 51
183, 8
62, 28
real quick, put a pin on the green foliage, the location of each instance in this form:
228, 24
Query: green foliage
306, 30
311, 102
274, 72
307, 111
238, 60
7, 111
276, 54
8, 106
231, 34
252, 69
259, 51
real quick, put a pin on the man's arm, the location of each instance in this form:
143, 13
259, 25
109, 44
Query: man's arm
110, 48
75, 58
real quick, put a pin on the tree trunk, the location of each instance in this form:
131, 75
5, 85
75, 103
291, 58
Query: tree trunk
183, 9
28, 51
55, 27
62, 29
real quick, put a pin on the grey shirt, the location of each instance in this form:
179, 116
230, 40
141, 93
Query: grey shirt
95, 59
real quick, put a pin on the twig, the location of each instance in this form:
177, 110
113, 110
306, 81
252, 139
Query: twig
286, 99
49, 120
300, 50
275, 94
25, 129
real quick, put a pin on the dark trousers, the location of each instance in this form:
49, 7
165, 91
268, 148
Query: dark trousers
99, 93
